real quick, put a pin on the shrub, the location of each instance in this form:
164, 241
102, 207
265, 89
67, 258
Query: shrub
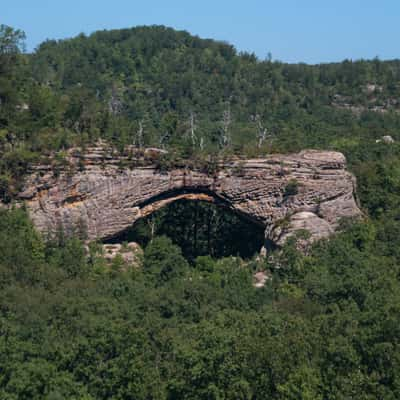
291, 188
163, 260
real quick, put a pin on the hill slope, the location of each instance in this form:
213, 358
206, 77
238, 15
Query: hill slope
157, 86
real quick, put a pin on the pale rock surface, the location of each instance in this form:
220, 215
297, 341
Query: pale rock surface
315, 227
260, 278
387, 139
130, 253
105, 194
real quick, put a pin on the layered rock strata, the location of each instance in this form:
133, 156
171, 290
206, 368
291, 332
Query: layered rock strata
103, 195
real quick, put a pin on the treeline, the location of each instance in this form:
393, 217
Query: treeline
156, 86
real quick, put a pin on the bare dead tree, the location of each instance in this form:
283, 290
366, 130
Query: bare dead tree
152, 224
211, 221
201, 143
140, 135
225, 138
262, 132
115, 103
192, 123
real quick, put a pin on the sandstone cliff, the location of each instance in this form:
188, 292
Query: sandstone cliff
103, 195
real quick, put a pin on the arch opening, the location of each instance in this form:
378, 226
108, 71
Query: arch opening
197, 222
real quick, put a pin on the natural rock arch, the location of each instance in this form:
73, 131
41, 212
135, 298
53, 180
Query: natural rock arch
105, 195
200, 223
193, 194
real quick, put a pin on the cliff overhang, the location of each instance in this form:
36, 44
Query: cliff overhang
104, 194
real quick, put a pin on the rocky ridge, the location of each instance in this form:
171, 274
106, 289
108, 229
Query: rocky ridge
102, 194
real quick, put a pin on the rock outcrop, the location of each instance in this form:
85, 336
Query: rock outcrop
103, 194
385, 139
129, 253
260, 279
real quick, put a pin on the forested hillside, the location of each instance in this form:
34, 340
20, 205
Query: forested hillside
185, 325
153, 86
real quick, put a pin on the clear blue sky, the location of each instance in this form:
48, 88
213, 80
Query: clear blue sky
311, 31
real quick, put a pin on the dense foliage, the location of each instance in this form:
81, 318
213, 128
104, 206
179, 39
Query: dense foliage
326, 326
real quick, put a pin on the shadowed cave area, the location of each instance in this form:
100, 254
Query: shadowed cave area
199, 228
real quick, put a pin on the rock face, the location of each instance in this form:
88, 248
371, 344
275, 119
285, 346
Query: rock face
386, 139
260, 279
129, 253
103, 196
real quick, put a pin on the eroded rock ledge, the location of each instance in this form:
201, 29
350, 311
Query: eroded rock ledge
310, 190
